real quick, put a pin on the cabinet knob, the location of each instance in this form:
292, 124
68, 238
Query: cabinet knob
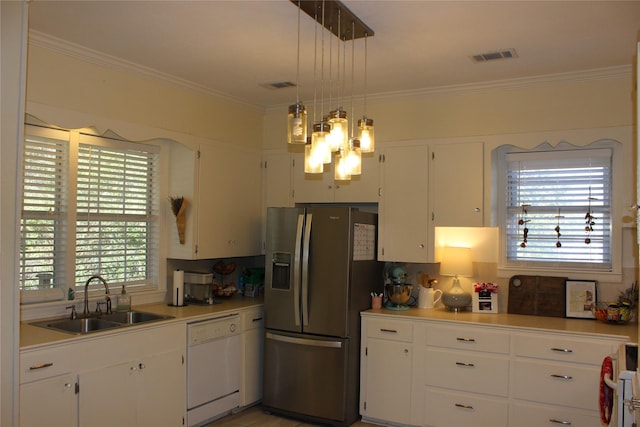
68, 385
421, 246
476, 209
141, 366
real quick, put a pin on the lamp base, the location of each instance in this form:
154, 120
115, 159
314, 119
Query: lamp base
455, 298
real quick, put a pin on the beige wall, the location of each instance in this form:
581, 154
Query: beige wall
596, 100
65, 82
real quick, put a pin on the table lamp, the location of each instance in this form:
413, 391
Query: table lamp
456, 261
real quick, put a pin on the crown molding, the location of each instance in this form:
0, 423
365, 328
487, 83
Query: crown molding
55, 44
80, 52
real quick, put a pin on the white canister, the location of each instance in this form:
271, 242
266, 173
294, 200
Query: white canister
428, 297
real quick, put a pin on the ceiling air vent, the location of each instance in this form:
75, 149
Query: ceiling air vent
493, 56
278, 85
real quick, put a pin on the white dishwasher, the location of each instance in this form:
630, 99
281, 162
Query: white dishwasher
213, 368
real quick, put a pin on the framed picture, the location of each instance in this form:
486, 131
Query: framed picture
580, 295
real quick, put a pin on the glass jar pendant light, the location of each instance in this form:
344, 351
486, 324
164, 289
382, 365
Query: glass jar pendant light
354, 157
312, 163
320, 141
341, 172
297, 117
339, 136
365, 125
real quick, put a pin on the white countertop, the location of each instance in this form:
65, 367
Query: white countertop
557, 324
35, 336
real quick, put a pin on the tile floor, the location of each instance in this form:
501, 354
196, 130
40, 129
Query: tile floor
255, 417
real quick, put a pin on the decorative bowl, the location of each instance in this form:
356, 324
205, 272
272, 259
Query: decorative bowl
612, 313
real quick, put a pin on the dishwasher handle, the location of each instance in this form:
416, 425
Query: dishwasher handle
303, 341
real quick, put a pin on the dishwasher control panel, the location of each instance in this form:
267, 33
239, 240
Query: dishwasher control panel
207, 330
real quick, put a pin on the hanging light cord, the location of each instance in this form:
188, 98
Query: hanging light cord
365, 74
315, 68
353, 56
298, 60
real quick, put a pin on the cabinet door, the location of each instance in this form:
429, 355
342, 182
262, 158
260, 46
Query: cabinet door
311, 187
161, 390
404, 219
456, 184
251, 381
229, 201
50, 402
361, 188
107, 396
388, 390
276, 180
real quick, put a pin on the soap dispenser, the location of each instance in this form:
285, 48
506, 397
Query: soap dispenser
124, 300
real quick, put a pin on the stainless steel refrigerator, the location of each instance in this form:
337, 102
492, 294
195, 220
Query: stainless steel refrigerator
320, 268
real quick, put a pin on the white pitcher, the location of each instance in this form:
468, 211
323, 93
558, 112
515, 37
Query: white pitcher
428, 297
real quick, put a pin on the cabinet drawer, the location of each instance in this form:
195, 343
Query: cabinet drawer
468, 338
252, 319
556, 383
40, 364
444, 408
390, 330
531, 415
563, 348
467, 371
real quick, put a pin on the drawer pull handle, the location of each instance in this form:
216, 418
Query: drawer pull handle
562, 377
466, 339
391, 331
463, 406
257, 319
42, 366
468, 365
562, 350
564, 423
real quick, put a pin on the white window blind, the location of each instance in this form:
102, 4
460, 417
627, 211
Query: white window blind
42, 227
565, 192
117, 211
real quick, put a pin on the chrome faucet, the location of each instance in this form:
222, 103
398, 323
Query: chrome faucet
85, 312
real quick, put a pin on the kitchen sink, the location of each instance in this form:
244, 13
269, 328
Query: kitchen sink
134, 317
95, 324
79, 326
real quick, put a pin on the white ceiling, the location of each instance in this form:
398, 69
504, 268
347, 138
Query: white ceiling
235, 47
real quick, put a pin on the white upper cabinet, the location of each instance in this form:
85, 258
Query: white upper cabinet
404, 217
322, 188
276, 176
456, 184
222, 186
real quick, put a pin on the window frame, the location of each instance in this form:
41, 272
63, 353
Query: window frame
74, 139
507, 268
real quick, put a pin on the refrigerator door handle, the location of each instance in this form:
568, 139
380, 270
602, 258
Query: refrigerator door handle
305, 270
296, 269
303, 341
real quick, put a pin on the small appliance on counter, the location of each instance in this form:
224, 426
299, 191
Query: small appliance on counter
197, 288
397, 290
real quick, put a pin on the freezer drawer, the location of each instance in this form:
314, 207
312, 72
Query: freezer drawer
305, 375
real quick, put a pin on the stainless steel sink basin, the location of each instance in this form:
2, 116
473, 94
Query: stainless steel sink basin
79, 326
134, 317
104, 322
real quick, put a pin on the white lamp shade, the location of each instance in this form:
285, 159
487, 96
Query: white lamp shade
456, 261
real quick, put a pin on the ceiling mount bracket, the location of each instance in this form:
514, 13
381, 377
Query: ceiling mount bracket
351, 26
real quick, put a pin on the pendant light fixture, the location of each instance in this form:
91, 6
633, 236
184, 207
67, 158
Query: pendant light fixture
365, 124
331, 134
297, 117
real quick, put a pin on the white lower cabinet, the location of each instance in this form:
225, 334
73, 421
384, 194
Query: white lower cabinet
458, 373
454, 408
49, 402
537, 415
137, 393
386, 370
129, 378
252, 349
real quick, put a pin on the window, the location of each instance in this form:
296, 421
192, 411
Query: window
90, 206
558, 209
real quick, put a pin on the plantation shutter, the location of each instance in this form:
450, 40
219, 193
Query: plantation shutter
42, 225
560, 189
117, 211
